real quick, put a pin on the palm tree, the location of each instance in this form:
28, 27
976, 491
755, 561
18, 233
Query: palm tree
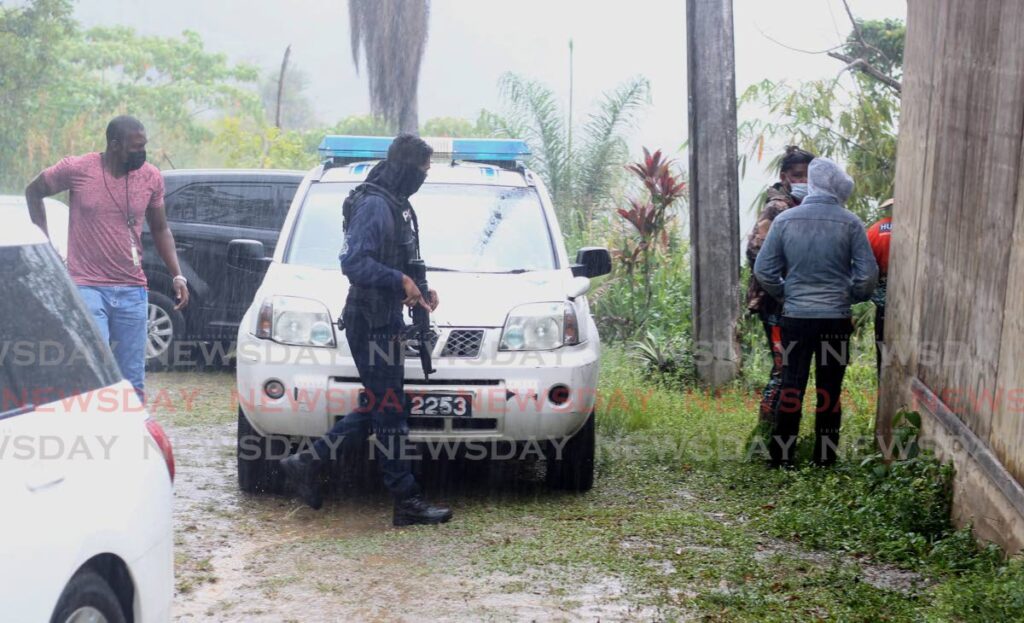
393, 36
582, 179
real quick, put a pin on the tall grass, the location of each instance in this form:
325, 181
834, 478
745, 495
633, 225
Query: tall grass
897, 514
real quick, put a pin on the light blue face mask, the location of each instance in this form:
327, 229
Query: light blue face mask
798, 191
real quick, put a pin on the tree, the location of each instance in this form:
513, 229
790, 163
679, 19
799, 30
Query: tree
875, 49
362, 125
393, 37
31, 58
296, 108
580, 181
457, 127
249, 144
853, 123
61, 84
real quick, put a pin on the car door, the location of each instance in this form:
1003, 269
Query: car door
226, 211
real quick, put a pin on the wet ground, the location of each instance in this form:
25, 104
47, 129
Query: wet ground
648, 543
269, 558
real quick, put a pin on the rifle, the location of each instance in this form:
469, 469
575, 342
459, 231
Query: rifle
420, 329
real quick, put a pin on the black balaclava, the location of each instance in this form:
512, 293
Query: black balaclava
399, 178
409, 179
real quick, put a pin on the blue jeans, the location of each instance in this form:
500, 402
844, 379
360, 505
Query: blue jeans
121, 313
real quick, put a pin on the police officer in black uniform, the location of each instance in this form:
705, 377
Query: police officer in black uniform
381, 235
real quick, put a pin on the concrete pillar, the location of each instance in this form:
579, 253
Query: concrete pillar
714, 188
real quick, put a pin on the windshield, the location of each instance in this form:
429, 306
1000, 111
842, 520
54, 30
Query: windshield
49, 346
466, 228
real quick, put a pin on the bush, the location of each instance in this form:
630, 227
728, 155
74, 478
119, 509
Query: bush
995, 595
623, 314
894, 513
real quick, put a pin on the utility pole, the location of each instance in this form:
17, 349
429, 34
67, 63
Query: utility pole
570, 99
280, 85
714, 189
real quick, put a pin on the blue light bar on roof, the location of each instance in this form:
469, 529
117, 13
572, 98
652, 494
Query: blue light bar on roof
376, 148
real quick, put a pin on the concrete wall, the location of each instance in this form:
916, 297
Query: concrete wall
955, 322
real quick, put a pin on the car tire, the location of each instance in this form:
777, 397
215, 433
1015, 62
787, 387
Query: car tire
574, 469
258, 468
88, 597
165, 326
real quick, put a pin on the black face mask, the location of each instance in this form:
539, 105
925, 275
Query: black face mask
409, 180
135, 160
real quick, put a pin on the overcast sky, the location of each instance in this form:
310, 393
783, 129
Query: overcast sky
472, 42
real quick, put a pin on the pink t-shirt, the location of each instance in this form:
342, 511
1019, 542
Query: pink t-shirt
99, 237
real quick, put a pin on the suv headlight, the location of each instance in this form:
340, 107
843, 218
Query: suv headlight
540, 326
295, 321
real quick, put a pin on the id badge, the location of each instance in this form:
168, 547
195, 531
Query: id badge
135, 255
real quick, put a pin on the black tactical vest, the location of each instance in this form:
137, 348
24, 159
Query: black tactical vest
379, 305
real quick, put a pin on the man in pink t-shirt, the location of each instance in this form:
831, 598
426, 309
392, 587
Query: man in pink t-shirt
110, 194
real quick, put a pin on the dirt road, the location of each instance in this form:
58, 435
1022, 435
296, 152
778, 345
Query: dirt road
242, 558
654, 540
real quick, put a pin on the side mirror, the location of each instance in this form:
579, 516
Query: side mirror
248, 255
578, 287
592, 262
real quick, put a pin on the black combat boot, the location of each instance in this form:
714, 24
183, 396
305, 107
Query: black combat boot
416, 510
302, 470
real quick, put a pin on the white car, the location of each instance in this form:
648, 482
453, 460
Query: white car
15, 207
85, 475
516, 350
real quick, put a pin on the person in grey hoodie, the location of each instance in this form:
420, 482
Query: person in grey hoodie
817, 262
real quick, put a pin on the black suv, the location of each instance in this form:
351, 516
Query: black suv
206, 210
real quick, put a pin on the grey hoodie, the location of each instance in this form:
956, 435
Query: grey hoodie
817, 260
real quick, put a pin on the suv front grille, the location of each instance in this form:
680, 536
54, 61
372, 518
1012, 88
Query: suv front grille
412, 347
463, 343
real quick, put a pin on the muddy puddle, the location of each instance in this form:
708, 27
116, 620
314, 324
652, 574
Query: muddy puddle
243, 558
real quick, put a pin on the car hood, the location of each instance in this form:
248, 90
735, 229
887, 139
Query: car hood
467, 299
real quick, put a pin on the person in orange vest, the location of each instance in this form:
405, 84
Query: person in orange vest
878, 235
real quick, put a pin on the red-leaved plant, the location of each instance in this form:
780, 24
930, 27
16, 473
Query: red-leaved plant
649, 216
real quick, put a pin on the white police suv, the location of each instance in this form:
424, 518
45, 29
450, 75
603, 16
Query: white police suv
515, 348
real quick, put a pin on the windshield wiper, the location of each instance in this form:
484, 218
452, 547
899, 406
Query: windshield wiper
514, 271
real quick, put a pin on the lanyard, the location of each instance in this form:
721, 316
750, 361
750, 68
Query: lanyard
129, 219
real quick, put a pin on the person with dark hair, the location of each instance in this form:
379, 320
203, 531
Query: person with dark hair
381, 236
110, 194
817, 262
879, 235
789, 191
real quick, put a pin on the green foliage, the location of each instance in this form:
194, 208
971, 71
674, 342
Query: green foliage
581, 173
882, 46
251, 145
856, 126
997, 595
62, 84
624, 313
32, 47
666, 359
894, 512
362, 125
838, 523
824, 118
457, 127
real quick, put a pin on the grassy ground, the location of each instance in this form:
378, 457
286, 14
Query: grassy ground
684, 524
